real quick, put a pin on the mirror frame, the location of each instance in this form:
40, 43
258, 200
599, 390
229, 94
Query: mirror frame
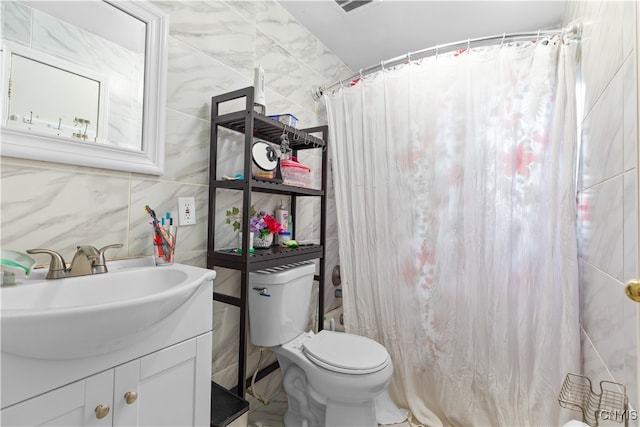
150, 159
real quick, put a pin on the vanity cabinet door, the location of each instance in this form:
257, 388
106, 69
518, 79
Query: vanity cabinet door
172, 387
76, 404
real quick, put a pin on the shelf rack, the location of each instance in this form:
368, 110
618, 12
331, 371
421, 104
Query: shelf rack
254, 125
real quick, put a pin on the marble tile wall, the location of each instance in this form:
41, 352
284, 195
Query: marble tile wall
213, 47
608, 190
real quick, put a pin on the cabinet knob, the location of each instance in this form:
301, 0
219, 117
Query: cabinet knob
130, 397
633, 290
102, 411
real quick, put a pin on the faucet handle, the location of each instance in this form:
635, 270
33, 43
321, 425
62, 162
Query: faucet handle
101, 266
102, 250
57, 266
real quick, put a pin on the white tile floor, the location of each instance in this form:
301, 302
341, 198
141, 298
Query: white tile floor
271, 415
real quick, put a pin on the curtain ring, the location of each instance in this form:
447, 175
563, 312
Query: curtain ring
409, 57
538, 36
565, 34
306, 139
296, 136
504, 35
436, 52
468, 45
382, 65
361, 75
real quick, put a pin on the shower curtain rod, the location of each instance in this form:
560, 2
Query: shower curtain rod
572, 31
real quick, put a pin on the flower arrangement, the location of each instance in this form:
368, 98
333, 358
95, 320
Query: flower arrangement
261, 224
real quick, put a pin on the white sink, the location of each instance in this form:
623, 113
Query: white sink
92, 315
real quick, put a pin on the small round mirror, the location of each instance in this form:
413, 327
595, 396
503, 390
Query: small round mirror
264, 156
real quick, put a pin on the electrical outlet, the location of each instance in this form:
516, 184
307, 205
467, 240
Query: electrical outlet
186, 210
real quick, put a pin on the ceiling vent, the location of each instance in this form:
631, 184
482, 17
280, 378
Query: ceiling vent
350, 5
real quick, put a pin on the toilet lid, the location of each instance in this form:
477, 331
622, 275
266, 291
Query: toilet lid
346, 353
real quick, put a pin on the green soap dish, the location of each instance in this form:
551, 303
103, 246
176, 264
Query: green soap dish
16, 262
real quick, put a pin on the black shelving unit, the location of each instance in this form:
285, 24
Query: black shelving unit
254, 125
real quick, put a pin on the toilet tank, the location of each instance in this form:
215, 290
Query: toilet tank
279, 300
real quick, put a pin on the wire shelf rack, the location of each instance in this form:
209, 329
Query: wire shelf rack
577, 393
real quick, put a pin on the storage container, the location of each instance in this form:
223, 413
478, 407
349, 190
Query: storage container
284, 237
296, 174
287, 119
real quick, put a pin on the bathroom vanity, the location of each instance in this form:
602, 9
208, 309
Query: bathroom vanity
158, 374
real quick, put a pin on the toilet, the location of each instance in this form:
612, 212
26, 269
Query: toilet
331, 378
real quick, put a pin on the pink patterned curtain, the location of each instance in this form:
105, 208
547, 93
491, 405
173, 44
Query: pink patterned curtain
455, 197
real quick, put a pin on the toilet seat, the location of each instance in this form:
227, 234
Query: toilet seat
345, 353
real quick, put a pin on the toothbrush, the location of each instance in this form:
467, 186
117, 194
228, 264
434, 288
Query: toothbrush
151, 213
159, 245
159, 239
167, 219
159, 230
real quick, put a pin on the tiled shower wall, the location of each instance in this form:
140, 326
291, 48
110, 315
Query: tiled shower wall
213, 48
607, 199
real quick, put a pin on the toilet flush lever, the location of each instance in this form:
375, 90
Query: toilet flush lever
263, 291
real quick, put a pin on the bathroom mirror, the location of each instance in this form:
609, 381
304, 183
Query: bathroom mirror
84, 83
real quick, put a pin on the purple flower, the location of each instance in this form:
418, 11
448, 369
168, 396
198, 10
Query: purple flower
256, 225
260, 224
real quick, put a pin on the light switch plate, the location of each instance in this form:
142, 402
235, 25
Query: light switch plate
186, 210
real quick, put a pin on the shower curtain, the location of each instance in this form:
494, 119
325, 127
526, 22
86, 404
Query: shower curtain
455, 197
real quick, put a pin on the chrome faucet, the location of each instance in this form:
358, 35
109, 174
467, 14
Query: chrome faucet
87, 260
